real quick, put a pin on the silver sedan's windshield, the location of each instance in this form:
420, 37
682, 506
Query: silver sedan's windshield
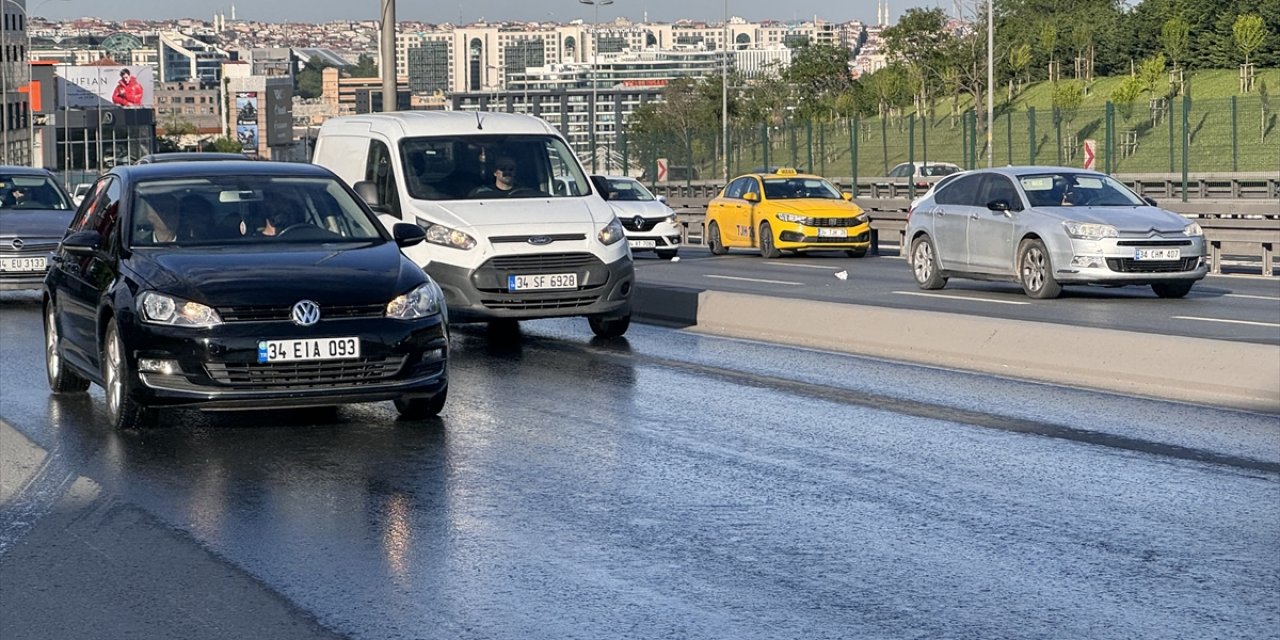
1077, 190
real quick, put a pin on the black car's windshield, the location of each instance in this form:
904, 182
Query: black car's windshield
482, 167
240, 210
626, 189
31, 192
794, 188
1077, 190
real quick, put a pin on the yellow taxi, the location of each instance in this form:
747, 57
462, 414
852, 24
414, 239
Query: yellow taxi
786, 211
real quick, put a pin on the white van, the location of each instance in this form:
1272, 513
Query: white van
515, 230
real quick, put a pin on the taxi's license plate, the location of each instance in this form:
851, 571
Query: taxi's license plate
1157, 254
833, 233
642, 244
33, 263
308, 349
542, 281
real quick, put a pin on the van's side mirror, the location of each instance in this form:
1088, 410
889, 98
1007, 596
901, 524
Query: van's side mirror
82, 242
368, 191
601, 184
407, 235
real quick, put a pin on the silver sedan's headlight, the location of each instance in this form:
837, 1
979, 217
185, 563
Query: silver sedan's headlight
790, 217
1193, 229
612, 232
158, 308
445, 236
1090, 230
425, 300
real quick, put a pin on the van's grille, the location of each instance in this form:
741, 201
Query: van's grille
552, 237
575, 299
1129, 265
538, 262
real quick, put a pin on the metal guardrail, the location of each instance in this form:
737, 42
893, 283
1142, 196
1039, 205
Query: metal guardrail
1236, 228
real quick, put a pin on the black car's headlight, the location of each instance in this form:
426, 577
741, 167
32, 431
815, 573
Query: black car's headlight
158, 308
612, 232
424, 301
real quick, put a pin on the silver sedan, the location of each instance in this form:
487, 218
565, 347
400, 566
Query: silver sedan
1045, 227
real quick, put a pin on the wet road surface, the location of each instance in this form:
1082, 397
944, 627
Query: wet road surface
671, 485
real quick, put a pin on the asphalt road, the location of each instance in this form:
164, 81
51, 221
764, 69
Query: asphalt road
1236, 307
668, 485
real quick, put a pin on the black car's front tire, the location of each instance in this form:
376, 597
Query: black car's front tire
422, 408
61, 378
124, 411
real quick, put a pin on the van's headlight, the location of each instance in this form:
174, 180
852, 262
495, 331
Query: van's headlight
426, 300
1193, 229
1090, 230
611, 232
158, 308
445, 236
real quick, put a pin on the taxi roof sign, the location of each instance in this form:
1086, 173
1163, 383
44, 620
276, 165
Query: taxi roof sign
786, 171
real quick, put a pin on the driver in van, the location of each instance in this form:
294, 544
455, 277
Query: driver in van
504, 179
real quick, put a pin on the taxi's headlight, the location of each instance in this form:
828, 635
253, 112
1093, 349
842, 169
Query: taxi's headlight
1090, 230
158, 308
612, 232
860, 220
447, 237
1193, 229
790, 217
426, 300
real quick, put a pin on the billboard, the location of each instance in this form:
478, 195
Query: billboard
247, 120
279, 114
90, 87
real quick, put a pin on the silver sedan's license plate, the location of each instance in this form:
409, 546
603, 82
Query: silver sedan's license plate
25, 264
542, 281
1157, 254
308, 349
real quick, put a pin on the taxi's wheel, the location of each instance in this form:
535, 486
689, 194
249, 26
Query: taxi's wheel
422, 408
924, 264
61, 378
123, 411
767, 248
1178, 289
1035, 271
714, 241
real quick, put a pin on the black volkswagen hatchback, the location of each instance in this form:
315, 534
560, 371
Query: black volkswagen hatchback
235, 285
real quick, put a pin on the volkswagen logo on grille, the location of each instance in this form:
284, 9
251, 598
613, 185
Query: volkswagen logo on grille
305, 313
17, 243
638, 221
539, 240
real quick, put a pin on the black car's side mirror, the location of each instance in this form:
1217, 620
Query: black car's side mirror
407, 235
1151, 201
368, 192
82, 242
998, 205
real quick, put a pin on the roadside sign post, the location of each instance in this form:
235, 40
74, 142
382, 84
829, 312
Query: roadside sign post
662, 170
1090, 152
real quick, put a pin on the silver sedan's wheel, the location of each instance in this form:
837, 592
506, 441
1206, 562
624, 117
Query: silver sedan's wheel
1035, 271
61, 379
924, 264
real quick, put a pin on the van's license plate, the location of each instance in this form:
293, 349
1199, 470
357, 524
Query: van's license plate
542, 281
1157, 254
308, 349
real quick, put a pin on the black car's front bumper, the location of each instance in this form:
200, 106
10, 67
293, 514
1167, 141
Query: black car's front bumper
218, 368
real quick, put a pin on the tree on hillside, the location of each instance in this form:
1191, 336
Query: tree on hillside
366, 67
918, 41
1019, 59
1248, 32
1175, 37
818, 74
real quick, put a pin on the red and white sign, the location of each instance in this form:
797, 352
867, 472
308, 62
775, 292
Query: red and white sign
1090, 152
662, 169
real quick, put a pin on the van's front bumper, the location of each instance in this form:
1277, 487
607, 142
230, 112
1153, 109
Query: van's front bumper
482, 294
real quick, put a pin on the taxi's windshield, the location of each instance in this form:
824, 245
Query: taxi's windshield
795, 188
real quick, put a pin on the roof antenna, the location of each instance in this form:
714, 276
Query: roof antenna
479, 124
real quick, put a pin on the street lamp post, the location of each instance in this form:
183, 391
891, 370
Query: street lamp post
724, 92
990, 75
595, 48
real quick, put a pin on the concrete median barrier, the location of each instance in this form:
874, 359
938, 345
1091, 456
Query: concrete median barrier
1214, 372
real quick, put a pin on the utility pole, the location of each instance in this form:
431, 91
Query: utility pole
388, 62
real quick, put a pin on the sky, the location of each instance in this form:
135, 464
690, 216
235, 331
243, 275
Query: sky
472, 10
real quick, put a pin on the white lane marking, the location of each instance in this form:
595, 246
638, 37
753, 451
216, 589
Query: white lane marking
1249, 297
756, 280
947, 296
1248, 322
802, 266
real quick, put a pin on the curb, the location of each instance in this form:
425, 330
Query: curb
1198, 370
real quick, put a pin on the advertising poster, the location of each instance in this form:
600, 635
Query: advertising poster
247, 120
90, 87
279, 115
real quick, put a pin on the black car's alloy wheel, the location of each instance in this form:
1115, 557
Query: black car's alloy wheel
123, 411
61, 378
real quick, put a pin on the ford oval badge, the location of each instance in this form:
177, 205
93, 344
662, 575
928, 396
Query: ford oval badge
539, 240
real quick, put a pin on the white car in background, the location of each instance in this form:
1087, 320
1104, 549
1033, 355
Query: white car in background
649, 223
81, 190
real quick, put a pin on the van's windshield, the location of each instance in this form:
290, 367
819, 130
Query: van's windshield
479, 167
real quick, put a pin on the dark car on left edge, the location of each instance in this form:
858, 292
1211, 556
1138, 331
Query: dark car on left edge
239, 285
34, 214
